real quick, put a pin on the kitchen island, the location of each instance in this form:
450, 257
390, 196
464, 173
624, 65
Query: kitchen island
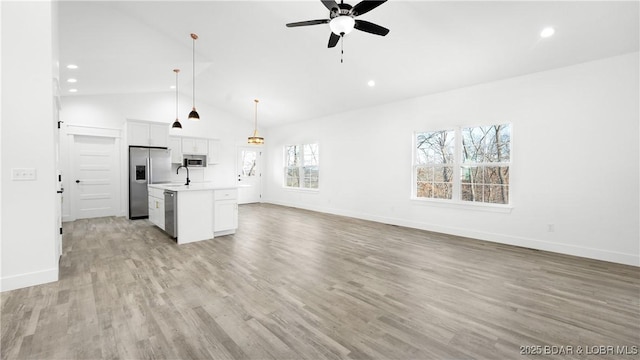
202, 210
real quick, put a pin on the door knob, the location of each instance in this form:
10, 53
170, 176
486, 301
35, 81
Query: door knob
77, 181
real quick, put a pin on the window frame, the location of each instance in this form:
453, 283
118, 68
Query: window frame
300, 167
456, 200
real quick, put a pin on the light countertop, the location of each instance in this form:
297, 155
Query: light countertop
192, 187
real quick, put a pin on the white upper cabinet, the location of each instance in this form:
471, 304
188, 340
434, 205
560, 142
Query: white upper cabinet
148, 134
181, 146
194, 146
213, 157
175, 144
159, 135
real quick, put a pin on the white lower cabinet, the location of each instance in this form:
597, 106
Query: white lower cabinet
225, 211
156, 207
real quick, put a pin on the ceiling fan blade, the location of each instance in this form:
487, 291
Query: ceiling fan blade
333, 40
371, 28
330, 4
365, 6
308, 22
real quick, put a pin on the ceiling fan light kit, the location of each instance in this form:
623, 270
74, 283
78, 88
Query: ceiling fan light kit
193, 115
342, 25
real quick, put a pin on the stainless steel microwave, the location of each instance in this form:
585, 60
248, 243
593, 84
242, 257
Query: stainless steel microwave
194, 160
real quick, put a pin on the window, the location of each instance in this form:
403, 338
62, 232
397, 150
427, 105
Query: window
434, 164
466, 164
301, 166
486, 153
249, 162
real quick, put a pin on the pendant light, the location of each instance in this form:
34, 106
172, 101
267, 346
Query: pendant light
193, 115
255, 139
176, 124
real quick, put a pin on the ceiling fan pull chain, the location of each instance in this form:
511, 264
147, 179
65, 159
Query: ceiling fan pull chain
342, 48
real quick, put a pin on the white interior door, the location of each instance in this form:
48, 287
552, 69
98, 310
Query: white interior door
95, 187
249, 175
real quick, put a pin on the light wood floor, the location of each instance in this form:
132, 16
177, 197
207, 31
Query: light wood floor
294, 284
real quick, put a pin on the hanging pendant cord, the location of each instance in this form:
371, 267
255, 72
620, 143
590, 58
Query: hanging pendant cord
255, 127
194, 69
176, 71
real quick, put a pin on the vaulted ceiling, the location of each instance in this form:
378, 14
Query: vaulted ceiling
244, 50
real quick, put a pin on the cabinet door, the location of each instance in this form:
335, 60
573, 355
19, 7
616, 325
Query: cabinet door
225, 215
194, 146
152, 210
213, 154
188, 145
138, 133
175, 144
160, 213
159, 135
201, 146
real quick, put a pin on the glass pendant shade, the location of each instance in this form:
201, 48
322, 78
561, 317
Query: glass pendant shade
342, 25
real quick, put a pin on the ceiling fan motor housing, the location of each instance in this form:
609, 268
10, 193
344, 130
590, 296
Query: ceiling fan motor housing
344, 10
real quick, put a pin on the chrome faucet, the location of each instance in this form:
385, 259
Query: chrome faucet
186, 167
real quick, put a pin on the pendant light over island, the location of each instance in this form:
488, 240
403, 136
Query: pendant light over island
193, 115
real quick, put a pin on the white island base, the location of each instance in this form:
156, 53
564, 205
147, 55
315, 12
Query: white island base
195, 216
203, 211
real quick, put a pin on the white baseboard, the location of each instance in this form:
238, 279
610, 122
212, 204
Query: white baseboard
29, 279
567, 249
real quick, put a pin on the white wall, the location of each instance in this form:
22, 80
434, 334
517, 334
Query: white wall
112, 111
575, 160
28, 129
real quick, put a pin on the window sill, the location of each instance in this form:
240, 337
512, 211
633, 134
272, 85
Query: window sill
305, 190
464, 205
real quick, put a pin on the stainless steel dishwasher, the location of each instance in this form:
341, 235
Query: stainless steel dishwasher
171, 213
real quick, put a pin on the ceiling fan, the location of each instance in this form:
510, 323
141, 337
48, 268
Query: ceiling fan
342, 19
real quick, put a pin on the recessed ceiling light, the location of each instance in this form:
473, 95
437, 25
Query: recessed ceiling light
72, 66
73, 90
172, 87
371, 83
72, 80
547, 32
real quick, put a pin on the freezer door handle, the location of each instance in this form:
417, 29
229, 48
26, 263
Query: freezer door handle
149, 171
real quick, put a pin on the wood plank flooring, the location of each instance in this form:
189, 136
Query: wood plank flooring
294, 284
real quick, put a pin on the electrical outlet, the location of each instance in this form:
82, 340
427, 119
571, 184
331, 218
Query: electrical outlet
18, 174
551, 227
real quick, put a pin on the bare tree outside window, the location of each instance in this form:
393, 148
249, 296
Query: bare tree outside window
249, 163
434, 164
292, 163
302, 166
481, 154
486, 155
310, 166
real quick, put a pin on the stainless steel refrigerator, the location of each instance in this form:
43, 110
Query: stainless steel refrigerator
147, 165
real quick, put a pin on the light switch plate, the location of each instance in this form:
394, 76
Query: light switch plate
23, 174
